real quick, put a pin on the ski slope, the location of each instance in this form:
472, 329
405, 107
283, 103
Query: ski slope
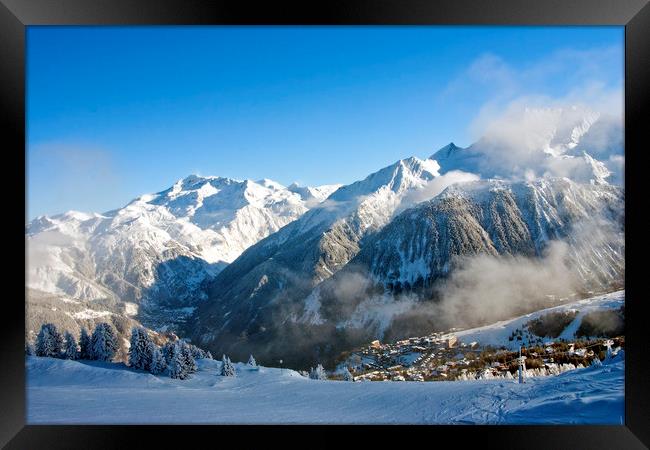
85, 392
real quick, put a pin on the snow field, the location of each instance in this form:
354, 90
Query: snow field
91, 392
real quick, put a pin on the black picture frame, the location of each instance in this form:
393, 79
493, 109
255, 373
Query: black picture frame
15, 15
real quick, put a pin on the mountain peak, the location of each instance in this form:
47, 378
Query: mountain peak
268, 183
398, 177
195, 181
446, 151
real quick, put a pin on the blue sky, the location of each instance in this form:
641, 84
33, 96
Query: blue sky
115, 112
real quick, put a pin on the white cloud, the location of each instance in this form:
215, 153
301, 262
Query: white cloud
435, 187
518, 124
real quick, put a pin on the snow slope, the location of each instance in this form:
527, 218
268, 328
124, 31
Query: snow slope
497, 334
73, 392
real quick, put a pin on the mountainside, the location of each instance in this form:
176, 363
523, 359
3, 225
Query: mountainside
407, 257
156, 252
490, 218
306, 252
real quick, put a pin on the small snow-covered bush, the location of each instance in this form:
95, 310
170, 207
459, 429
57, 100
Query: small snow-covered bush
318, 373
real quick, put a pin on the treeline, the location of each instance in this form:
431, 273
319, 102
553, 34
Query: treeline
177, 358
102, 345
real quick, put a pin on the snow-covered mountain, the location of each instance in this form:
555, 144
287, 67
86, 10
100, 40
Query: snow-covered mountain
491, 217
401, 264
292, 261
334, 276
156, 252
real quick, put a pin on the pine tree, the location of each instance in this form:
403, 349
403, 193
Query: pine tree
251, 361
347, 376
188, 359
177, 368
70, 347
168, 352
49, 341
29, 349
140, 350
134, 352
103, 343
199, 353
318, 373
227, 368
84, 345
158, 364
196, 352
